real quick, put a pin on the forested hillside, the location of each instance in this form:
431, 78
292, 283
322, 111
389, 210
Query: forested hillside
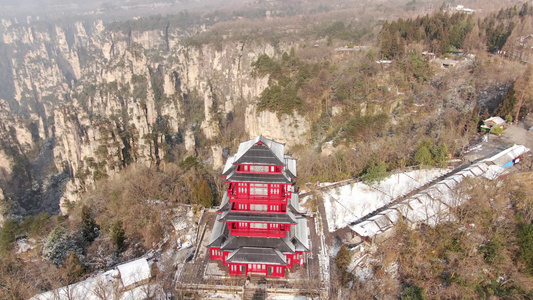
108, 129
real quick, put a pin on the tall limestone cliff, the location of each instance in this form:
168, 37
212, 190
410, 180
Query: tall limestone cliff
80, 101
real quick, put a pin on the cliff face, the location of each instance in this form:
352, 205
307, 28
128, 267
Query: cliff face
81, 101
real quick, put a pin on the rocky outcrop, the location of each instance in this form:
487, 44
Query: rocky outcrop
290, 129
108, 99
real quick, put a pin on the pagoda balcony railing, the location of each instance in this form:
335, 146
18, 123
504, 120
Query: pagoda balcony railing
258, 198
259, 232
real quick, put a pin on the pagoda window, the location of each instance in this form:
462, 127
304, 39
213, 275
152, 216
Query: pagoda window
259, 169
258, 189
258, 225
245, 167
276, 226
258, 207
243, 189
274, 189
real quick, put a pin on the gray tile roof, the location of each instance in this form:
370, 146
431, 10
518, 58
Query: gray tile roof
257, 256
219, 234
228, 167
224, 205
271, 153
259, 155
291, 166
254, 177
236, 242
294, 204
258, 217
299, 235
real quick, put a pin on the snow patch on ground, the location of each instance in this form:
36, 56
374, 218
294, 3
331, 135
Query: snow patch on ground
351, 202
286, 297
24, 245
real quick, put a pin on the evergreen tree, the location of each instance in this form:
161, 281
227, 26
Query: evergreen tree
423, 155
439, 153
525, 241
342, 261
118, 236
58, 245
202, 193
506, 107
7, 235
90, 230
375, 173
73, 268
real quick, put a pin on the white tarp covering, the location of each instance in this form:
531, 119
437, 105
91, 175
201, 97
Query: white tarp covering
134, 272
507, 155
349, 203
90, 289
382, 221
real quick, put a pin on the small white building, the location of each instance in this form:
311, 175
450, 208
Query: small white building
493, 121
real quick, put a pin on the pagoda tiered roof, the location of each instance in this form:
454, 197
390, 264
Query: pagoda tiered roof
293, 205
283, 177
257, 256
297, 239
258, 217
260, 151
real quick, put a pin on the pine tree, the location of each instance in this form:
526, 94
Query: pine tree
423, 156
7, 236
90, 230
118, 235
202, 193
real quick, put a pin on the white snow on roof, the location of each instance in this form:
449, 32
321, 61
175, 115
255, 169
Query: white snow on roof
507, 155
448, 196
496, 120
493, 172
349, 203
366, 228
275, 147
382, 221
476, 170
432, 205
302, 232
425, 210
134, 272
392, 214
89, 289
291, 164
229, 164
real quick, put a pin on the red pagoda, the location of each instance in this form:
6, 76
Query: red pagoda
259, 229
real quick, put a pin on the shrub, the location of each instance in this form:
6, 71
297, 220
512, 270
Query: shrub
7, 236
525, 242
58, 245
118, 236
413, 293
375, 173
